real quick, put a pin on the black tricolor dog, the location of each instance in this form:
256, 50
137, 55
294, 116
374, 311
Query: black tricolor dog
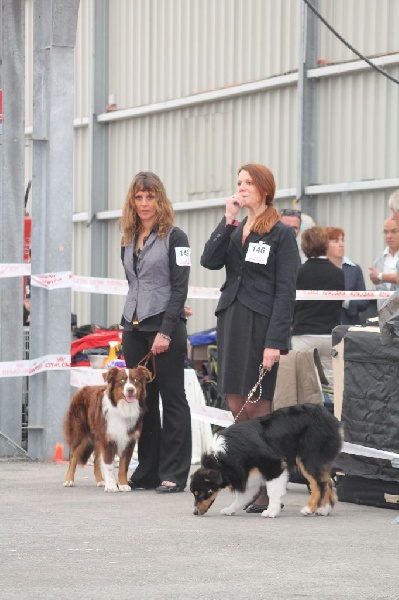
263, 450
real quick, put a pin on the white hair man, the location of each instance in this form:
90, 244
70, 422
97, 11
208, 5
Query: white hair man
393, 203
384, 272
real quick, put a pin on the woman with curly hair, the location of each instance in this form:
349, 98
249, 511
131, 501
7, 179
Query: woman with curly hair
156, 258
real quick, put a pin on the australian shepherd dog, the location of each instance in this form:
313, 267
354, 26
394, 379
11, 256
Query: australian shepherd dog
262, 450
107, 420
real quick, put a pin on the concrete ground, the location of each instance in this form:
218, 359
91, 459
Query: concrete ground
82, 543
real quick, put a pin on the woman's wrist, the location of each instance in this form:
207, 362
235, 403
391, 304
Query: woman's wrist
165, 336
230, 220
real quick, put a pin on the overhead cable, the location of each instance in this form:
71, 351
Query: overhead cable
348, 45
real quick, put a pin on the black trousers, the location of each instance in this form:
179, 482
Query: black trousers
164, 452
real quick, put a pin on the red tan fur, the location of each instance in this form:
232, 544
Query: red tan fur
107, 420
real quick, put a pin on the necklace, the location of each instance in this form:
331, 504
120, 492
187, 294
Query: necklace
139, 246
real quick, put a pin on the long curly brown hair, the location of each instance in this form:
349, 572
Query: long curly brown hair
263, 179
129, 223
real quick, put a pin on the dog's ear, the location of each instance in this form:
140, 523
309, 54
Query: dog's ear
144, 373
214, 477
211, 477
110, 374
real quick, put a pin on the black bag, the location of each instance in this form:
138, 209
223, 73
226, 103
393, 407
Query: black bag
371, 492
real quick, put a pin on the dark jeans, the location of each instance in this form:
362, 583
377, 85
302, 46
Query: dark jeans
164, 452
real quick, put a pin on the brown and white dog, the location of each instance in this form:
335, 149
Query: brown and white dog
107, 419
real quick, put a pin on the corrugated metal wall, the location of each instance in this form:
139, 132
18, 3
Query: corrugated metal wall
370, 26
164, 50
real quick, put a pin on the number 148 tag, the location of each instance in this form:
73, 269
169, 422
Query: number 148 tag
258, 253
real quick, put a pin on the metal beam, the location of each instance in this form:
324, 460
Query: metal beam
306, 147
54, 34
98, 158
12, 192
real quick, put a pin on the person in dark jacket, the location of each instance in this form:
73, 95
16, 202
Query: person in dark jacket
156, 258
314, 320
255, 309
354, 280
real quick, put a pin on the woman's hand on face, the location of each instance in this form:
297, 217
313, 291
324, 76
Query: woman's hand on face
160, 344
270, 356
233, 205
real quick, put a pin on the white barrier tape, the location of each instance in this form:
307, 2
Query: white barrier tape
52, 281
26, 368
215, 416
15, 270
202, 292
81, 376
99, 285
102, 285
358, 450
341, 295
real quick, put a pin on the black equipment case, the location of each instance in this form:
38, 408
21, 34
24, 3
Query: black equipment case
370, 416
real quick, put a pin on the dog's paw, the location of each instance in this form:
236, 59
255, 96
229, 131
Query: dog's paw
306, 511
324, 511
100, 484
228, 511
111, 488
270, 513
69, 484
124, 488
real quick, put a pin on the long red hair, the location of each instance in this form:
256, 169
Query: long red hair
263, 180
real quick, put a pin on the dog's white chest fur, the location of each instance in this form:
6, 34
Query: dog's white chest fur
120, 419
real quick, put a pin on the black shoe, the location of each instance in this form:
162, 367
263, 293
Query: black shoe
140, 488
259, 508
169, 489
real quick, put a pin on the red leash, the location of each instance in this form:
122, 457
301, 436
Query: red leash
144, 363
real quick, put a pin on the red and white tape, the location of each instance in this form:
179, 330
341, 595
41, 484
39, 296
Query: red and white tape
52, 281
102, 285
26, 368
81, 376
14, 270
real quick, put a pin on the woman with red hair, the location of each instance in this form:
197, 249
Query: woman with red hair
255, 310
314, 320
354, 280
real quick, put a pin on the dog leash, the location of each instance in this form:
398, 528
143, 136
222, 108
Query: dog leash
262, 372
144, 363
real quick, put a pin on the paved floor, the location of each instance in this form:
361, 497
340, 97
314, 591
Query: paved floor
81, 543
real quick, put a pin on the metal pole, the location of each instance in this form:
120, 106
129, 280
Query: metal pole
98, 155
12, 188
54, 34
306, 160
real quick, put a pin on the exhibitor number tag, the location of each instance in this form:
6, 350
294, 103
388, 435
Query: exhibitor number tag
183, 256
258, 253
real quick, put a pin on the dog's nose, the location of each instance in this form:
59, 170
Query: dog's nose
195, 511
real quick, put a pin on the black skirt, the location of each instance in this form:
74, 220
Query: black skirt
241, 336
